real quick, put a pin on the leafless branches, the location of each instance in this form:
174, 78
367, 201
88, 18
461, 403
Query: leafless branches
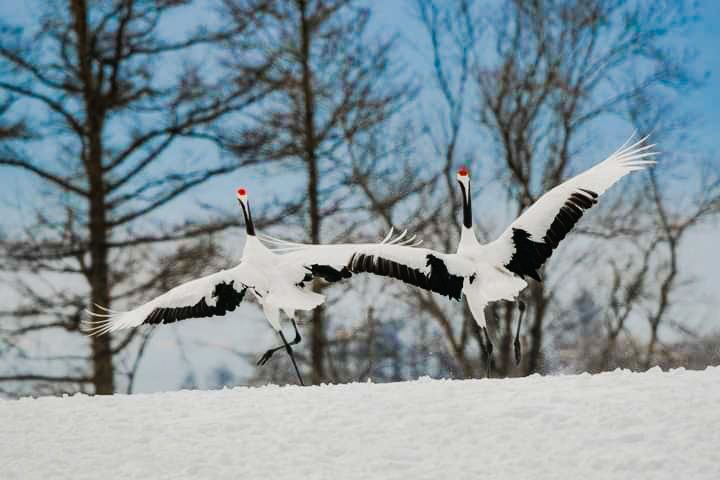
558, 68
328, 121
111, 95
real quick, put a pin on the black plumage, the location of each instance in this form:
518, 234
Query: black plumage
530, 255
439, 280
227, 299
326, 272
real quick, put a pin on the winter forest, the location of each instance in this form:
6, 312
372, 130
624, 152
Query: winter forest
126, 127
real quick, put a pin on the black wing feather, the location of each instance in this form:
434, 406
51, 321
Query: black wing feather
530, 255
227, 299
439, 280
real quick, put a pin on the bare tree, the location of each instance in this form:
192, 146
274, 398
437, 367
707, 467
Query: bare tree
335, 94
556, 69
108, 92
453, 32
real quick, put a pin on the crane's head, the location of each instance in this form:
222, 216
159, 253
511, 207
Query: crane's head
463, 176
241, 195
243, 201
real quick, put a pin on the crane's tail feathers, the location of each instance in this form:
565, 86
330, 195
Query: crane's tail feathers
411, 241
279, 241
283, 246
389, 235
397, 239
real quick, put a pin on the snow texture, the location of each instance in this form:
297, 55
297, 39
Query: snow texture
651, 425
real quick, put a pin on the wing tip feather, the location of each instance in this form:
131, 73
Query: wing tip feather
104, 322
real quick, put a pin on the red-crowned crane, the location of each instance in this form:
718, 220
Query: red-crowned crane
274, 282
490, 272
277, 282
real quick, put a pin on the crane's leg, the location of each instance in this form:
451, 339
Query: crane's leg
288, 348
488, 351
267, 355
516, 343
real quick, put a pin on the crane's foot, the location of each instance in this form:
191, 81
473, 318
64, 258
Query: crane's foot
516, 343
268, 354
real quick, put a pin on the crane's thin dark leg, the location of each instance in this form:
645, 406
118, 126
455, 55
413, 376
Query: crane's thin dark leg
516, 343
288, 348
267, 355
488, 351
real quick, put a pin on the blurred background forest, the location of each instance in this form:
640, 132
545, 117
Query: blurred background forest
126, 125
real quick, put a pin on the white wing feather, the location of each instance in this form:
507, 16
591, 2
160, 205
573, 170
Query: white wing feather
405, 252
293, 298
186, 294
537, 219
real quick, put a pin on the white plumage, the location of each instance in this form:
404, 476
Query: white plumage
491, 272
275, 283
537, 219
278, 283
482, 273
187, 294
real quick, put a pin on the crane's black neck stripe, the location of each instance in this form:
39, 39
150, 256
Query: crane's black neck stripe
467, 206
228, 299
530, 255
249, 226
439, 280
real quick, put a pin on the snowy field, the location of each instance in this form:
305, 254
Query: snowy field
618, 425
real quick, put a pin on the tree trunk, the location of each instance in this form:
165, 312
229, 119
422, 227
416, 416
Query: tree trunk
93, 154
536, 330
318, 340
505, 331
99, 271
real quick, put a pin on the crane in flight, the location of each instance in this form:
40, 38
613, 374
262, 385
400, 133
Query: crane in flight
278, 283
482, 273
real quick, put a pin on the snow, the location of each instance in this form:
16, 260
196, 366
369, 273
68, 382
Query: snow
650, 425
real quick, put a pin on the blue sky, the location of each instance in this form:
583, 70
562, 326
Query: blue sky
396, 15
164, 371
702, 37
705, 38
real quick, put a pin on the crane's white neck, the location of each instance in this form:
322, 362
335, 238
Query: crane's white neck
254, 248
467, 239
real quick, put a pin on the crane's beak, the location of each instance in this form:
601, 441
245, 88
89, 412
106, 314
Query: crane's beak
243, 201
463, 177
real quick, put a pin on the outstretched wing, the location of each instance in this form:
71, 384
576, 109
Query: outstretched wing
530, 240
213, 295
396, 257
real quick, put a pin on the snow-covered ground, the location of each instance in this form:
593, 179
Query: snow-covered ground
618, 425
